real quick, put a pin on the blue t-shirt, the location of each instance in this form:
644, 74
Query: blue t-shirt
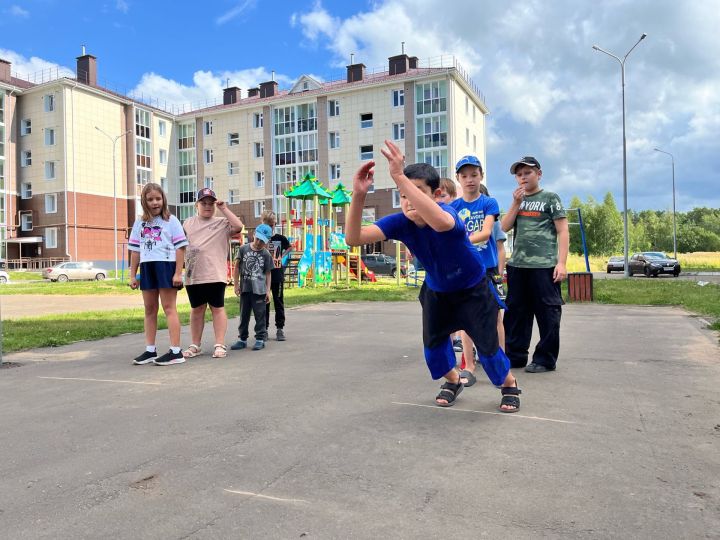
473, 214
451, 262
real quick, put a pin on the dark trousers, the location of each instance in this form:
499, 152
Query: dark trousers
532, 294
256, 303
277, 287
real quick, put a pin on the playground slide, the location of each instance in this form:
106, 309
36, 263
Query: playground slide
370, 276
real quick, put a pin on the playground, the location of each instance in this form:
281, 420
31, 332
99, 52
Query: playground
333, 434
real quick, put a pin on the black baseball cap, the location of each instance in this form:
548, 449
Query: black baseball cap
527, 160
206, 192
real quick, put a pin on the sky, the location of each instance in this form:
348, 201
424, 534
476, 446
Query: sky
549, 93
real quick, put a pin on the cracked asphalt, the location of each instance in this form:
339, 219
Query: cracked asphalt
333, 434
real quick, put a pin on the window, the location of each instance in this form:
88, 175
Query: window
233, 167
399, 131
259, 208
233, 139
258, 120
208, 183
186, 189
49, 103
209, 156
26, 158
234, 196
26, 190
25, 127
259, 179
334, 171
208, 128
467, 137
396, 198
51, 237
26, 222
474, 143
142, 153
51, 203
49, 170
49, 137
162, 128
143, 176
431, 97
164, 184
398, 98
142, 123
432, 131
334, 139
467, 104
333, 107
163, 157
473, 114
186, 136
259, 150
366, 120
366, 152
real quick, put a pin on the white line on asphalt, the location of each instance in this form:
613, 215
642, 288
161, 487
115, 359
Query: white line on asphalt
268, 497
99, 380
515, 415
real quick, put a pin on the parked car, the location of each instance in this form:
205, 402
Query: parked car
383, 264
74, 270
4, 278
616, 264
652, 264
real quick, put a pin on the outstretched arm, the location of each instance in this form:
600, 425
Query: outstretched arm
425, 206
355, 233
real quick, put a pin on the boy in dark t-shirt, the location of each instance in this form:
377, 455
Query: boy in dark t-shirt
279, 247
456, 294
535, 269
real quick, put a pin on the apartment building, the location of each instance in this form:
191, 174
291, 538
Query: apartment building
74, 156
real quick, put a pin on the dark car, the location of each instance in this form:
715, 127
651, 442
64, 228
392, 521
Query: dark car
383, 264
616, 264
652, 264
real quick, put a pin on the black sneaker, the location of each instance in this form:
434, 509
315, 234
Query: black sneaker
538, 368
170, 358
239, 344
280, 335
145, 358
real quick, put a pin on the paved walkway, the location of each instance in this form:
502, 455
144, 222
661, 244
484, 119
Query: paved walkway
333, 434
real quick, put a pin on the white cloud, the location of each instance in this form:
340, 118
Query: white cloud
17, 11
122, 5
239, 9
34, 68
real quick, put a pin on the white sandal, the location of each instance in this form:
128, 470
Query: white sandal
192, 351
220, 351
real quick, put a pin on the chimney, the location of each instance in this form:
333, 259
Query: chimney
268, 89
5, 70
398, 64
231, 95
355, 72
413, 62
253, 92
87, 69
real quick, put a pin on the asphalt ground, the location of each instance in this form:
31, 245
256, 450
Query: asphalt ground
333, 434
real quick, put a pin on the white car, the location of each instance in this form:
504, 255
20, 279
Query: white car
74, 270
4, 277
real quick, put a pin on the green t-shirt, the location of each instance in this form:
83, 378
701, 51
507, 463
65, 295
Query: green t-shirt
535, 240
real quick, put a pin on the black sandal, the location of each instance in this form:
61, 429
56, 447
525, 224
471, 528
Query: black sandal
470, 376
510, 398
449, 392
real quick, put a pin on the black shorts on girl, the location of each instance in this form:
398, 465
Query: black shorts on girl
207, 293
156, 275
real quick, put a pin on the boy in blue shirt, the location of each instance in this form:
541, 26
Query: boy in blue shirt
456, 294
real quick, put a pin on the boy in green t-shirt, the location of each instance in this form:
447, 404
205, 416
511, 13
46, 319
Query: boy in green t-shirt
535, 270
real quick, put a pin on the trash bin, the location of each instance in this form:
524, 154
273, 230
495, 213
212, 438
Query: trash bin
580, 286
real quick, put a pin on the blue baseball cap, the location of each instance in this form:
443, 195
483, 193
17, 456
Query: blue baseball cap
467, 160
263, 233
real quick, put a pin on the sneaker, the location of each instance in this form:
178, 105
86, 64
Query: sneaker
239, 344
145, 358
170, 358
280, 335
259, 344
537, 368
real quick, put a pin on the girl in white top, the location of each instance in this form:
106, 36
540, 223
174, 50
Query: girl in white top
157, 245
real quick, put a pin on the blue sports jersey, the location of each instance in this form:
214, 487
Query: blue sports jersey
451, 262
473, 214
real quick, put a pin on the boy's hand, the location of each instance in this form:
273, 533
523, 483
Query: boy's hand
364, 177
219, 204
560, 273
134, 284
395, 158
267, 297
237, 289
519, 195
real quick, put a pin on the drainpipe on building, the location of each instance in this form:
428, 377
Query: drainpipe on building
65, 169
72, 128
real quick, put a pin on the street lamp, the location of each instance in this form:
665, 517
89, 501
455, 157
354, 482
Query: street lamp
625, 205
115, 226
673, 197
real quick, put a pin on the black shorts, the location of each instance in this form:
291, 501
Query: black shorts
207, 293
474, 310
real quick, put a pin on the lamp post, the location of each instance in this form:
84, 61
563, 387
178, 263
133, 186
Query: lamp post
625, 205
114, 140
673, 199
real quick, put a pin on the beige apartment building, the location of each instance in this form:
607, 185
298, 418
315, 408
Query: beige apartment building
74, 156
